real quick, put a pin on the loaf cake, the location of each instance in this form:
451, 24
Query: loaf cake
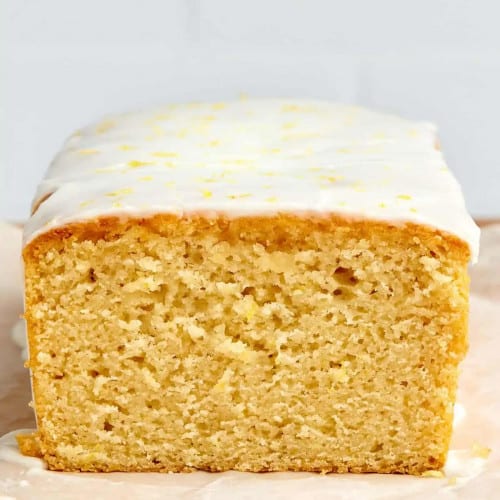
257, 285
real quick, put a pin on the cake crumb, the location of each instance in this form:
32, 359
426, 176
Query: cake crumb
480, 451
433, 473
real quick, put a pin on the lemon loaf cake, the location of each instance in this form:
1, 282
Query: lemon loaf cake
258, 285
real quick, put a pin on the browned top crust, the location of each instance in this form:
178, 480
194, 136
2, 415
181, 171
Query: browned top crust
282, 231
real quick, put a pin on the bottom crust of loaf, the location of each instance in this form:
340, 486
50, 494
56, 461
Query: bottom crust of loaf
29, 445
258, 344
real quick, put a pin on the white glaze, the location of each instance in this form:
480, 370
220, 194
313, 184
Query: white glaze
252, 157
18, 336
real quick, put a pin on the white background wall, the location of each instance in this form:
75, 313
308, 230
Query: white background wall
65, 62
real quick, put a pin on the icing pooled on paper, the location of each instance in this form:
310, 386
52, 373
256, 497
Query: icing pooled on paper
252, 157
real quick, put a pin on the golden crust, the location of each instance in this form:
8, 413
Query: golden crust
29, 446
262, 228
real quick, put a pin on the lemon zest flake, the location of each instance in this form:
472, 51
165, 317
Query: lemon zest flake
120, 192
104, 126
138, 163
88, 151
238, 196
165, 154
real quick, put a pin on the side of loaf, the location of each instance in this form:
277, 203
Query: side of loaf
258, 343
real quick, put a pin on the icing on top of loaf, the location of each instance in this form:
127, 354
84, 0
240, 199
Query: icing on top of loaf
254, 157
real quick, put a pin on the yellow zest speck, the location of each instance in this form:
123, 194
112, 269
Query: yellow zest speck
452, 481
289, 125
237, 161
413, 132
146, 178
104, 126
432, 473
88, 151
213, 144
138, 163
103, 170
243, 96
314, 169
342, 203
343, 150
269, 174
169, 164
379, 135
126, 147
84, 204
386, 167
207, 118
117, 204
238, 196
157, 130
218, 106
201, 129
295, 108
358, 186
161, 117
330, 178
413, 210
272, 199
120, 192
170, 183
267, 186
181, 134
271, 150
165, 154
206, 193
480, 451
403, 197
207, 179
382, 205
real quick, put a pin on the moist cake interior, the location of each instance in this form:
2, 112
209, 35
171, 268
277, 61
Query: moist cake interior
253, 343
